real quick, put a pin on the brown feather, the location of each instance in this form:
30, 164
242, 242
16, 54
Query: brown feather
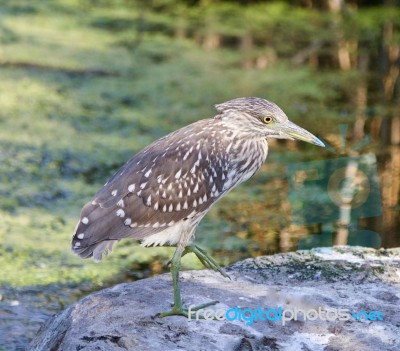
167, 189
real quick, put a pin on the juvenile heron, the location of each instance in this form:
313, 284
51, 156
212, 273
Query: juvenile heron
161, 194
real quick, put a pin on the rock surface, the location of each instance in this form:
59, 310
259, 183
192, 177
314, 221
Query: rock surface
125, 317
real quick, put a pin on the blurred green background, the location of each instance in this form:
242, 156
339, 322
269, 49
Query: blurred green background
84, 84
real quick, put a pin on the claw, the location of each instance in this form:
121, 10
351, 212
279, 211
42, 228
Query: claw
179, 311
206, 259
167, 264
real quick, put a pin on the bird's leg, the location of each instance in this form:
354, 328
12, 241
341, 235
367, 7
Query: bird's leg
177, 308
205, 259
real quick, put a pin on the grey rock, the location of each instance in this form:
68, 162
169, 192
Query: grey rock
125, 317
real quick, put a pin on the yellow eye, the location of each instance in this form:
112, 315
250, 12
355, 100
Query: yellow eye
267, 119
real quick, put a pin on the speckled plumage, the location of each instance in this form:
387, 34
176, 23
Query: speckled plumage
161, 194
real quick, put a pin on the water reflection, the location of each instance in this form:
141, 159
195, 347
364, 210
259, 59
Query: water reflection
389, 176
351, 199
340, 190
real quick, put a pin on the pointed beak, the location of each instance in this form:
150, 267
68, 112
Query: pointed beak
293, 131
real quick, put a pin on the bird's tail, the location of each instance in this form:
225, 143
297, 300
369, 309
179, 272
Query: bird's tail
92, 234
98, 251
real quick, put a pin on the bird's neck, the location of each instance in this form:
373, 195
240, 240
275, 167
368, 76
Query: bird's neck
246, 151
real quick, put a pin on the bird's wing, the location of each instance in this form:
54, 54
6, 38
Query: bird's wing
174, 178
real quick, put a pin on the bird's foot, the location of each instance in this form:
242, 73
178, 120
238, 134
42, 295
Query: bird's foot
190, 313
205, 259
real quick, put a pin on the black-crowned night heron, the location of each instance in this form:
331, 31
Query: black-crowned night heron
161, 194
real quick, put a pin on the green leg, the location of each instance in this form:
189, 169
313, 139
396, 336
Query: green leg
205, 259
178, 309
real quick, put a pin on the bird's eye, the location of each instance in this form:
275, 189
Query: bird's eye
267, 119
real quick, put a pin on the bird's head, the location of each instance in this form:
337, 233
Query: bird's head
263, 118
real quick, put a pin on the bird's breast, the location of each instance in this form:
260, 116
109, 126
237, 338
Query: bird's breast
246, 160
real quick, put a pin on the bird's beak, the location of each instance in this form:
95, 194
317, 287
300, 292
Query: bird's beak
293, 131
